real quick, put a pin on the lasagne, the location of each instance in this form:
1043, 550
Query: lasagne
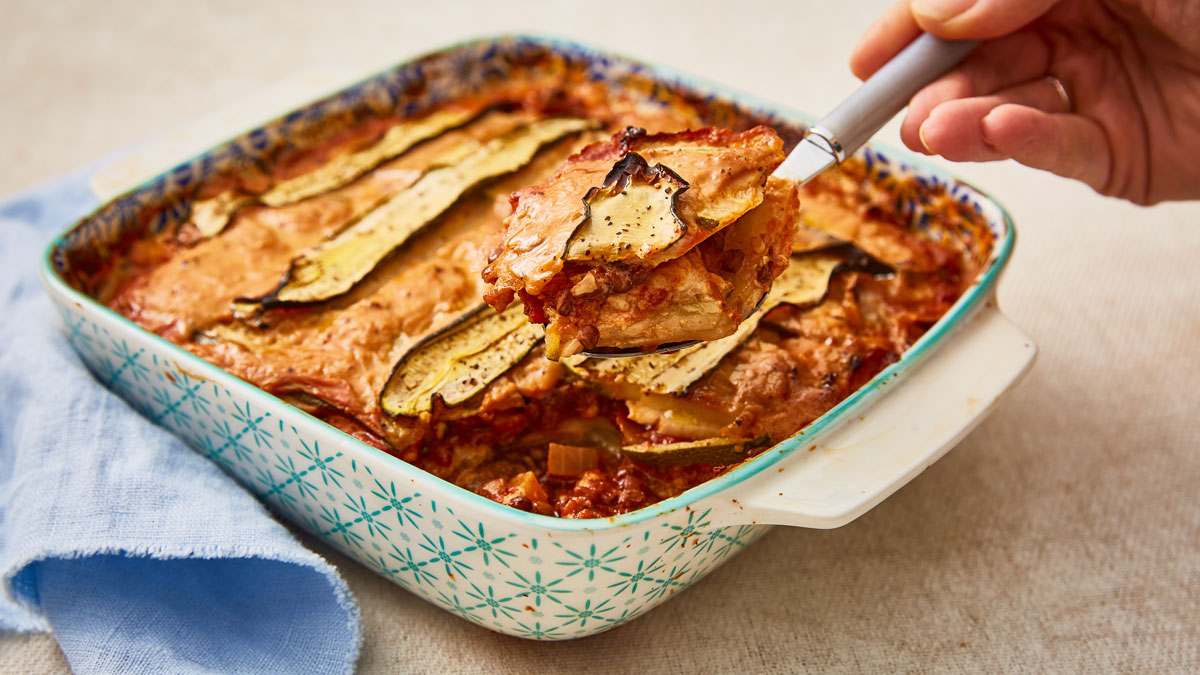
345, 275
645, 240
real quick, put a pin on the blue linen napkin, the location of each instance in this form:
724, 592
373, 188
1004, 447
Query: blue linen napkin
138, 553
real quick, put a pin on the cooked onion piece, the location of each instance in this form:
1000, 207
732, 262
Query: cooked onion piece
569, 461
458, 361
332, 267
210, 216
521, 492
642, 240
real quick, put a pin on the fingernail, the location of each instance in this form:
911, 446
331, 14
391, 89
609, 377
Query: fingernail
940, 10
924, 143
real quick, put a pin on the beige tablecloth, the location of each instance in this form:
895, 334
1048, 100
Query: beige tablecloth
1063, 534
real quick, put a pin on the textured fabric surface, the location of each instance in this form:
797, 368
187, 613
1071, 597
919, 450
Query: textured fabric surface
140, 555
1063, 535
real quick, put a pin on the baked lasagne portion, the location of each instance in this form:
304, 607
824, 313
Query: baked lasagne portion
346, 275
646, 240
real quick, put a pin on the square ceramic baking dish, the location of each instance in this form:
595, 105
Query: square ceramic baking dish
519, 573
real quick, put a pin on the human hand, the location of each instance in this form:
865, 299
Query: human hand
1103, 91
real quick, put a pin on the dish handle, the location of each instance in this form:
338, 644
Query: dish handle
844, 473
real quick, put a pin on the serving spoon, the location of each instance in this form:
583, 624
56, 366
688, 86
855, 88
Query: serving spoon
851, 124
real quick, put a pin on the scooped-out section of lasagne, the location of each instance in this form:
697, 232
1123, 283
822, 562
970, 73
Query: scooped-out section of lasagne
345, 275
646, 240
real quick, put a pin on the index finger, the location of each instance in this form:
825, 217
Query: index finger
890, 33
905, 20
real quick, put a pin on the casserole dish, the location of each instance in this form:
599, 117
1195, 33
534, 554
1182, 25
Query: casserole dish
520, 573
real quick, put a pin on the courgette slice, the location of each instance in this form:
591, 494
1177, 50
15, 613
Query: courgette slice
334, 266
459, 361
210, 216
720, 451
631, 215
343, 170
804, 283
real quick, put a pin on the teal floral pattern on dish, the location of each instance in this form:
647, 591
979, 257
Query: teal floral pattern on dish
504, 570
525, 585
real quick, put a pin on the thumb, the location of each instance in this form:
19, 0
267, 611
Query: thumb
977, 19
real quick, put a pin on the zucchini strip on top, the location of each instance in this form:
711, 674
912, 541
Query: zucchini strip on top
210, 216
718, 451
458, 361
334, 266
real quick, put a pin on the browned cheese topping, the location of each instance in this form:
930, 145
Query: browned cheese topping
395, 346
